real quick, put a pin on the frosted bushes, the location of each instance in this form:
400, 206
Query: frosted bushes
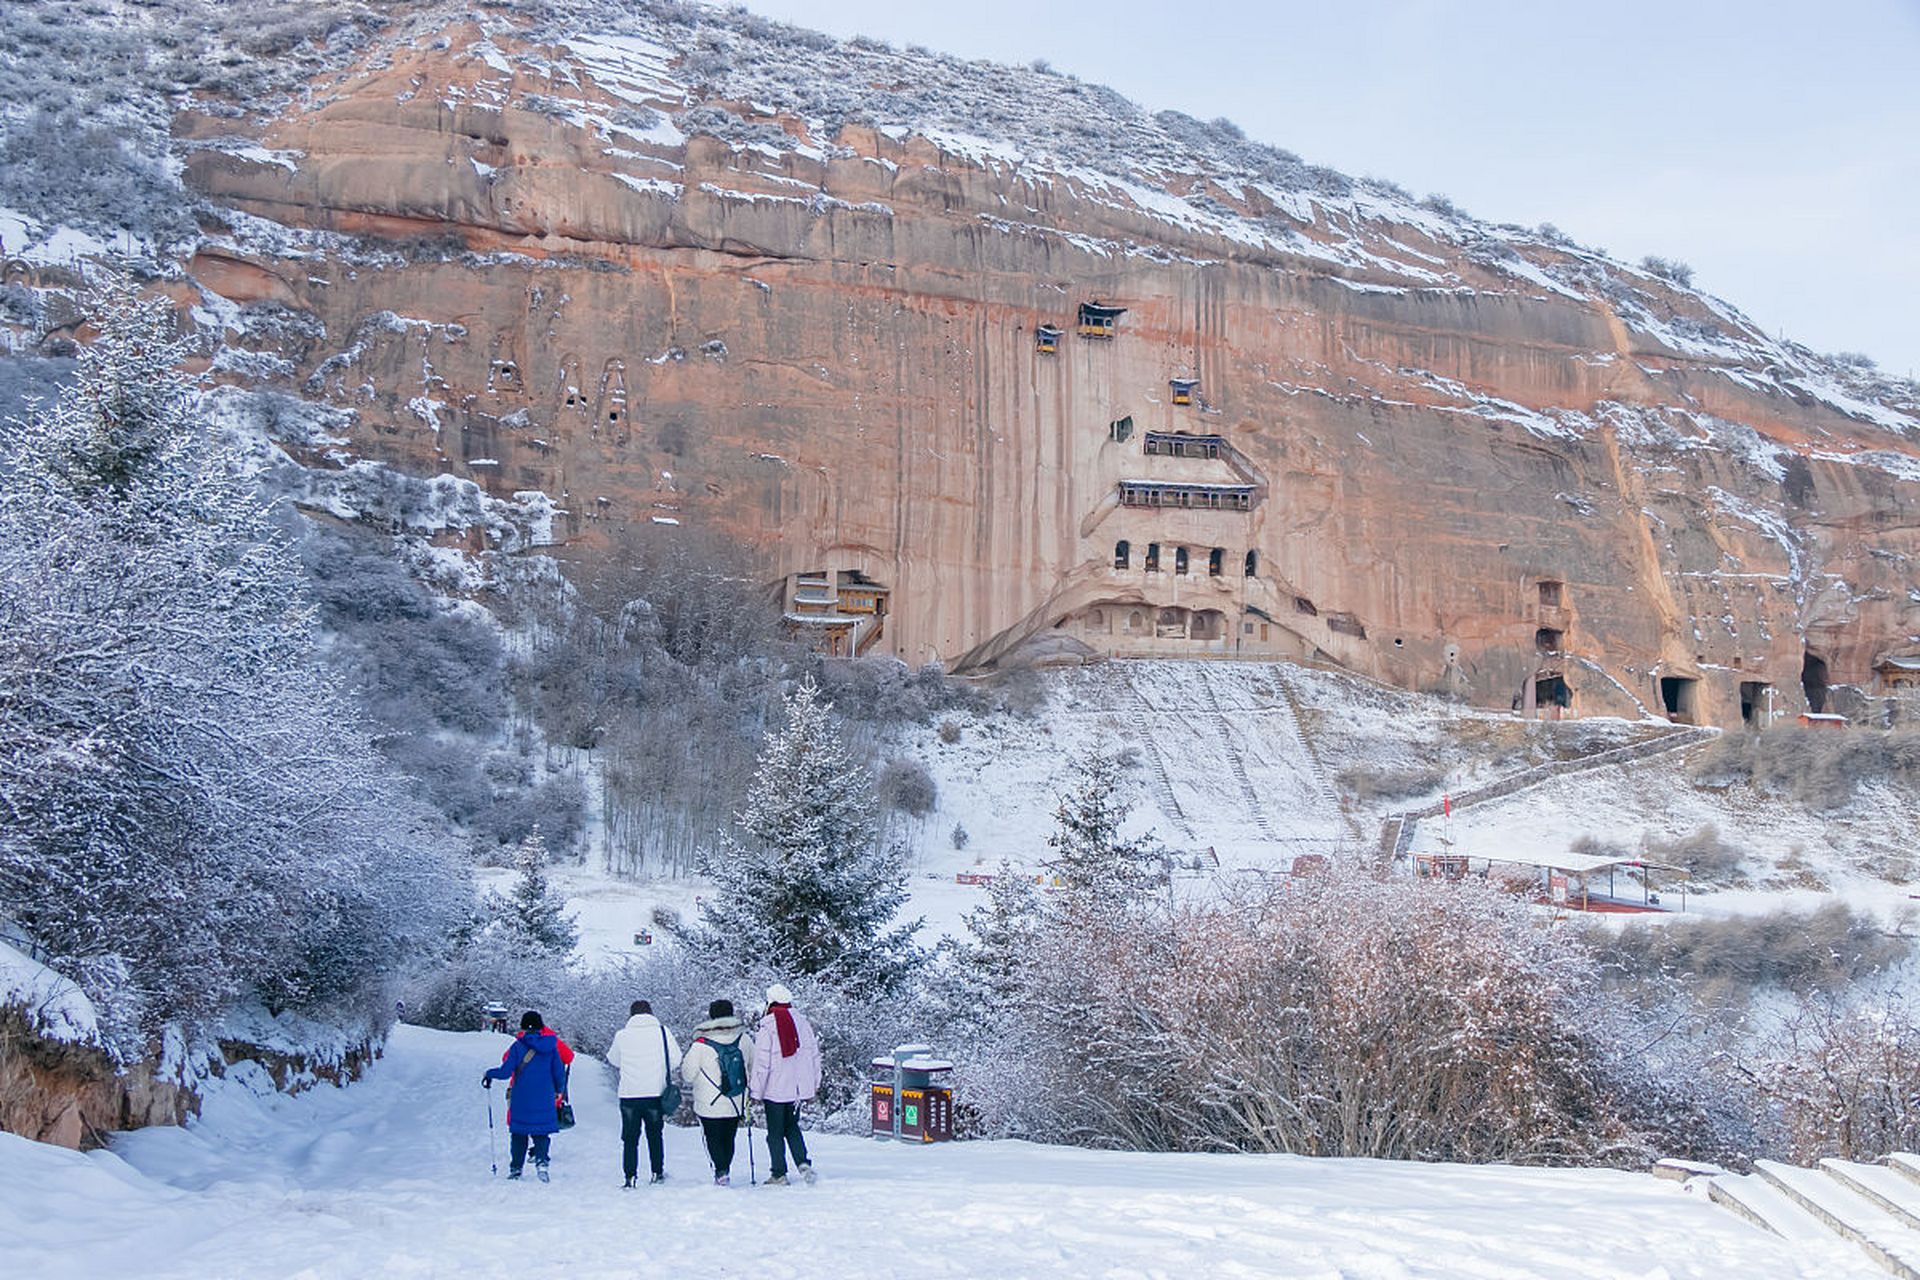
1334, 1015
194, 814
1844, 1080
1818, 767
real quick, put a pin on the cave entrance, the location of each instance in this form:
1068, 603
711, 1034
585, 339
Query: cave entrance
1813, 679
1551, 697
1549, 639
1755, 697
1679, 698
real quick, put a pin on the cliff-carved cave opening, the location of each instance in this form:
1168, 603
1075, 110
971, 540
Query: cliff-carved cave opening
1122, 554
1214, 559
1551, 594
1180, 560
1252, 567
1120, 430
1679, 698
1754, 703
1549, 639
1153, 557
1551, 694
1813, 681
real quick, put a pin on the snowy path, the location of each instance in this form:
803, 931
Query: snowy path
388, 1178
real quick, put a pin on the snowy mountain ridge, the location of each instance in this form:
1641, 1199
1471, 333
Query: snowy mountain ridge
648, 76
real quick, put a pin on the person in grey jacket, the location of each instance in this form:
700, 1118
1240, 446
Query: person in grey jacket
704, 1069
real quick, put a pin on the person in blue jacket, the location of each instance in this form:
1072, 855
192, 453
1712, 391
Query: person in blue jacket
537, 1085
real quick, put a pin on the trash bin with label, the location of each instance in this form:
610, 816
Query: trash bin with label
909, 1102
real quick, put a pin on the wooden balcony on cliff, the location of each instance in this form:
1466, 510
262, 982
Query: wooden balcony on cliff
1178, 444
1097, 320
839, 615
1046, 339
1183, 389
1192, 497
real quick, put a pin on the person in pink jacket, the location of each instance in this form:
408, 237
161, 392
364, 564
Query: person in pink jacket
785, 1073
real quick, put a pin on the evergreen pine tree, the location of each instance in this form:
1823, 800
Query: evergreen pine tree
1096, 866
1002, 932
532, 919
806, 886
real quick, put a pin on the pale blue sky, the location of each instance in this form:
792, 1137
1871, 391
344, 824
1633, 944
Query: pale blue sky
1773, 146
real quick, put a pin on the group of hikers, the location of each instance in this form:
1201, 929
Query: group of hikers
724, 1070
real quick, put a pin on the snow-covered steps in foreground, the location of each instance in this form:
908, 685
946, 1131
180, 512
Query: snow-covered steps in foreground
1899, 1196
1873, 1206
1765, 1206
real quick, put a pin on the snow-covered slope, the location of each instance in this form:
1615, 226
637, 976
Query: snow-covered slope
1258, 763
53, 1006
390, 1178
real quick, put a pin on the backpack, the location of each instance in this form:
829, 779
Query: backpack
733, 1067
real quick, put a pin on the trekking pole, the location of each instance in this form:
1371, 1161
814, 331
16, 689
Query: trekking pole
753, 1178
493, 1143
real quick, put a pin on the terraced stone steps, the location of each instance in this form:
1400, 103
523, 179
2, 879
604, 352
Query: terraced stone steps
1874, 1206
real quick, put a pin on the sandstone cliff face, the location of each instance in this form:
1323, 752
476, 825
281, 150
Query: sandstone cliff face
1476, 460
71, 1094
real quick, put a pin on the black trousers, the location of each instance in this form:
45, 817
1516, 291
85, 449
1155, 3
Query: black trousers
517, 1149
783, 1132
635, 1112
720, 1134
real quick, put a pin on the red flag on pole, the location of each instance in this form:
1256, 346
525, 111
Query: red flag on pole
1446, 805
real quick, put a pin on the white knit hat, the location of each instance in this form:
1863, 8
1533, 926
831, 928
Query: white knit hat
778, 994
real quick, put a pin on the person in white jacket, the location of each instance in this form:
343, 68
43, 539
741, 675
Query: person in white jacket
708, 1079
646, 1055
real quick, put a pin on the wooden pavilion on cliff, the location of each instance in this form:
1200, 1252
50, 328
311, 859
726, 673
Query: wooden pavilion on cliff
1097, 320
1046, 339
1183, 389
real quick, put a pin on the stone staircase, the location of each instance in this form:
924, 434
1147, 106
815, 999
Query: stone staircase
1396, 832
1157, 772
1873, 1206
1237, 763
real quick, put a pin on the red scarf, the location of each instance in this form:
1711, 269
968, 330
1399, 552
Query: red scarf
789, 1034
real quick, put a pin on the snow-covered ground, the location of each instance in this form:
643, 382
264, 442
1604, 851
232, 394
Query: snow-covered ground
389, 1178
1797, 858
1241, 763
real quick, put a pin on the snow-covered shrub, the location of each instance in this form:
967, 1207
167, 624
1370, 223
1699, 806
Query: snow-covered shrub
883, 692
1818, 768
1669, 269
1371, 783
1844, 1078
905, 786
1708, 858
1727, 960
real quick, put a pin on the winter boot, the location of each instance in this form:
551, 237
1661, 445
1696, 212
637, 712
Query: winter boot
720, 1180
656, 1179
513, 1175
540, 1171
806, 1171
630, 1184
777, 1181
